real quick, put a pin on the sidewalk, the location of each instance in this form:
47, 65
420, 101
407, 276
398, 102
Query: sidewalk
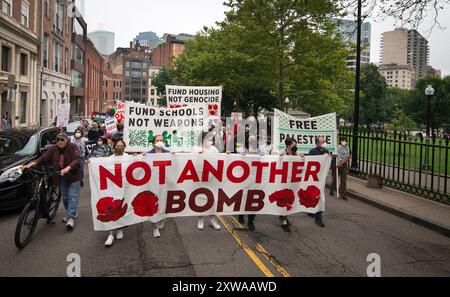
421, 211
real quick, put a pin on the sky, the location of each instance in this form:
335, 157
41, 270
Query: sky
127, 18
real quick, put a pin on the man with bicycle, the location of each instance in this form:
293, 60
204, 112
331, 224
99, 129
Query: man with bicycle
65, 158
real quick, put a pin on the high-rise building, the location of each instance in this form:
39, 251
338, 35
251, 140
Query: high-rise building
148, 39
405, 47
348, 30
104, 41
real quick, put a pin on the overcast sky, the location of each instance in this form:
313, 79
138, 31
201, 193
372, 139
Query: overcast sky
128, 18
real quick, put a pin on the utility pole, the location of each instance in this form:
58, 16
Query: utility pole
354, 164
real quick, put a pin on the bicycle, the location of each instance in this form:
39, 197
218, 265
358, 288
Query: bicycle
44, 204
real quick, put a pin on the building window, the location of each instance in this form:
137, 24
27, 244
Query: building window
58, 17
57, 53
6, 7
77, 54
23, 64
23, 107
77, 79
6, 59
46, 9
24, 11
45, 50
127, 73
66, 61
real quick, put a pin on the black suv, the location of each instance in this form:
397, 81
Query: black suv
19, 147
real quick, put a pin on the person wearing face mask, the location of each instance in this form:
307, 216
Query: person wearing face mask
101, 149
158, 148
206, 146
318, 151
80, 141
343, 159
119, 155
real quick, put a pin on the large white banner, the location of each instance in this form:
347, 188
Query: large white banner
207, 97
181, 128
304, 131
131, 190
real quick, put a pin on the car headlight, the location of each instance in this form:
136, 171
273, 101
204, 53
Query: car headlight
11, 175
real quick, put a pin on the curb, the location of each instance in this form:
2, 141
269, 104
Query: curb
437, 227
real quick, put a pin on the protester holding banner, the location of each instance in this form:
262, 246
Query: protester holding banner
317, 151
119, 155
158, 148
250, 149
80, 142
206, 147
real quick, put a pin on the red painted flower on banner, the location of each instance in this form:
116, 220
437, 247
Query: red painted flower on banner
177, 105
110, 210
145, 204
213, 109
119, 117
283, 198
309, 198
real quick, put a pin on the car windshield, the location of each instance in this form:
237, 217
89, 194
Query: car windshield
18, 144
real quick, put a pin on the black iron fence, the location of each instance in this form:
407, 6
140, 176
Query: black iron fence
408, 163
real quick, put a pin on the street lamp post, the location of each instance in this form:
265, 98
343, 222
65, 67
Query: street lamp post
354, 164
429, 92
287, 104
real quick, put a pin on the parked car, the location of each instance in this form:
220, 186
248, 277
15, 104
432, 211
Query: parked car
72, 126
19, 147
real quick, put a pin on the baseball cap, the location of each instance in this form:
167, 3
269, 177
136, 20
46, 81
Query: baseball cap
62, 136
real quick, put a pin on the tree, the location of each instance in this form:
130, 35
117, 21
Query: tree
373, 99
402, 122
164, 77
440, 103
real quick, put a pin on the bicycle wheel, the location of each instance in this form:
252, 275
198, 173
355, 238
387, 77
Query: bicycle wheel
27, 224
53, 201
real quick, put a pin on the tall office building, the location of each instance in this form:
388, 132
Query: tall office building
405, 47
103, 41
348, 30
147, 39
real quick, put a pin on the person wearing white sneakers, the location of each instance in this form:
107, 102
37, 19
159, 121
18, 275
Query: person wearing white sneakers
119, 148
206, 146
158, 148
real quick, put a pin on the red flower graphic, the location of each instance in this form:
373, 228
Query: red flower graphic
309, 198
145, 204
283, 198
213, 109
110, 210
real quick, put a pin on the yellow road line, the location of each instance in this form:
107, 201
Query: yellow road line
265, 270
264, 252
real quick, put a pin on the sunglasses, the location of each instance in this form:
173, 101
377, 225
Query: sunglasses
60, 139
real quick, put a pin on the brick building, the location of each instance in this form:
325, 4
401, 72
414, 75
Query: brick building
19, 55
173, 47
55, 53
94, 80
77, 89
113, 88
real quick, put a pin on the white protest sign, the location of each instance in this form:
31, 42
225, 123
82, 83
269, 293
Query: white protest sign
63, 115
111, 125
207, 97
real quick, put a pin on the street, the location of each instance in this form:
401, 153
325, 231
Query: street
353, 231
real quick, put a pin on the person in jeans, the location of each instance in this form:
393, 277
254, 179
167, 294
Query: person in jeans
65, 158
158, 148
343, 159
